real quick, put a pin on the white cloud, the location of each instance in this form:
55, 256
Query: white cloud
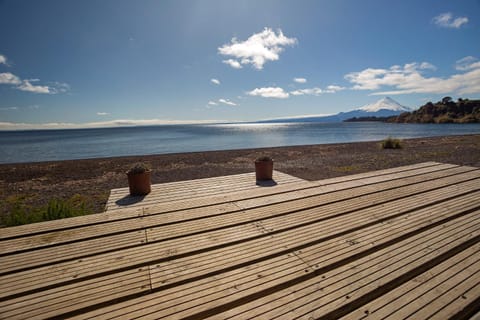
27, 86
409, 79
215, 81
233, 63
102, 113
317, 91
427, 65
269, 92
467, 63
227, 102
334, 88
9, 78
312, 91
58, 87
3, 59
300, 80
8, 108
279, 93
257, 49
446, 20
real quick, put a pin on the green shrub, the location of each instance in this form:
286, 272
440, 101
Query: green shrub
16, 211
59, 209
20, 213
391, 143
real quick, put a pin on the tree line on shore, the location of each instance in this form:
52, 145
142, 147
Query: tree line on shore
444, 111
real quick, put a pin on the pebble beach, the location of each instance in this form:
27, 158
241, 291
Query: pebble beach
92, 179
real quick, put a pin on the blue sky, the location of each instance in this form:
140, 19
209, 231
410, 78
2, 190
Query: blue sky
90, 63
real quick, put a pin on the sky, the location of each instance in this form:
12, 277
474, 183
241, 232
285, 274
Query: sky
116, 62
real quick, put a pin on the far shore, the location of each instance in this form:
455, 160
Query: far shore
92, 179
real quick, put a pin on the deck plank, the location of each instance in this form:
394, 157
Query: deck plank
63, 299
16, 261
421, 290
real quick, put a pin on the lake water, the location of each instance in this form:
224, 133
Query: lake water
46, 145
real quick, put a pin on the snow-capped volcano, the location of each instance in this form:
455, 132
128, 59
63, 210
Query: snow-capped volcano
384, 104
385, 107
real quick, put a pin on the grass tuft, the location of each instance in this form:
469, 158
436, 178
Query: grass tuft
20, 213
391, 143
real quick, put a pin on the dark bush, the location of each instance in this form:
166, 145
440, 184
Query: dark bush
391, 143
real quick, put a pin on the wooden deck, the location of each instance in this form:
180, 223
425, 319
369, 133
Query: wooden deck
398, 243
193, 189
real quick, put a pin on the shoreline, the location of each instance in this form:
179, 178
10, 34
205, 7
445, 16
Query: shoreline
121, 157
92, 179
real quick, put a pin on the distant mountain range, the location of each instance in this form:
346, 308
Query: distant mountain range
385, 107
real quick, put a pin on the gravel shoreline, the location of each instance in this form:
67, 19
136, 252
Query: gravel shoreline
37, 183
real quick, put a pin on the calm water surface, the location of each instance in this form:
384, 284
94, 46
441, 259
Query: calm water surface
45, 145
